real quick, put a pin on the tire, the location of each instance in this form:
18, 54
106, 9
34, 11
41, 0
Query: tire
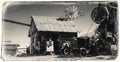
66, 51
83, 52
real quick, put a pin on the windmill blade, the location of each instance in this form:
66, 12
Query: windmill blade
72, 12
16, 22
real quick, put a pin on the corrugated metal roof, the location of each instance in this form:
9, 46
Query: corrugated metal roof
52, 24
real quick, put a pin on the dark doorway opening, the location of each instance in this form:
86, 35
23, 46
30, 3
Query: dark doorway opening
56, 43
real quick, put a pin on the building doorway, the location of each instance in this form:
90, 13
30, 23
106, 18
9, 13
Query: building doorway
56, 43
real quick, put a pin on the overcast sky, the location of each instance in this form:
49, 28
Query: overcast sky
21, 12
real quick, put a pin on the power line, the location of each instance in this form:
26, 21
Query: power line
20, 23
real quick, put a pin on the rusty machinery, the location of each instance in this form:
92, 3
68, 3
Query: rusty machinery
105, 38
105, 15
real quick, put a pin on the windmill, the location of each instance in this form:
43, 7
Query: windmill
72, 13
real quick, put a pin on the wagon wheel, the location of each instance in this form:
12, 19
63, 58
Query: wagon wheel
83, 52
66, 51
99, 14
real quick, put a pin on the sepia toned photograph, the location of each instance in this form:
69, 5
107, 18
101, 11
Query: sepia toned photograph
59, 30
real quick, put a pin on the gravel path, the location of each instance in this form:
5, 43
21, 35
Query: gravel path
58, 58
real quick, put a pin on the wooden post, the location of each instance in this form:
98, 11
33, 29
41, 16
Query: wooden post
42, 39
31, 48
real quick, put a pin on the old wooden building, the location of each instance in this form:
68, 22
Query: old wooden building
44, 28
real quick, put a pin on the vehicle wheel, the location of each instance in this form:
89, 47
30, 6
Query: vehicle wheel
83, 53
66, 51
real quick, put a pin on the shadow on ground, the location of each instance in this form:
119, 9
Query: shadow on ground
71, 57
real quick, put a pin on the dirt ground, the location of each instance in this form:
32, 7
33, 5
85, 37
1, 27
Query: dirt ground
57, 58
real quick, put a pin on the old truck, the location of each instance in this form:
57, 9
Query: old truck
77, 46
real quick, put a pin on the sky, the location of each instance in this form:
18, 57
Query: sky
22, 11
